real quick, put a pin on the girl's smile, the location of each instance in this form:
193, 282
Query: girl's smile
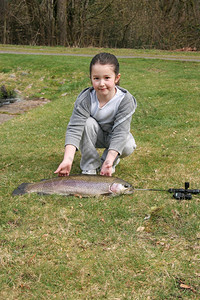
104, 80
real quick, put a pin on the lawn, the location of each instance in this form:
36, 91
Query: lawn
139, 246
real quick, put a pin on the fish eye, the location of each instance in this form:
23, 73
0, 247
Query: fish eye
126, 185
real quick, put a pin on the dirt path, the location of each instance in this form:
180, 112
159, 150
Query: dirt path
178, 58
8, 112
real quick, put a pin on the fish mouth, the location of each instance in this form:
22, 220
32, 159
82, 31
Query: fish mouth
129, 190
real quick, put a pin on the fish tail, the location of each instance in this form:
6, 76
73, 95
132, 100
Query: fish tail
20, 190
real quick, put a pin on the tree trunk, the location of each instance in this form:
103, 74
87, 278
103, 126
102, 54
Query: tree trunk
62, 21
3, 19
4, 30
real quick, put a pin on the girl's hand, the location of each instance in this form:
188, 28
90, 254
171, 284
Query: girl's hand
106, 168
64, 168
66, 165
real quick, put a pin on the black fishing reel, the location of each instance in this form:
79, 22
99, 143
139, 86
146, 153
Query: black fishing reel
183, 194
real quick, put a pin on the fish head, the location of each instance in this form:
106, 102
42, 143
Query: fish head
121, 188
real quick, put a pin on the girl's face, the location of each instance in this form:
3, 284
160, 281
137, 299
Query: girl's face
103, 80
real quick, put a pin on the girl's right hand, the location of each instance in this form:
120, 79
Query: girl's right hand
64, 168
66, 165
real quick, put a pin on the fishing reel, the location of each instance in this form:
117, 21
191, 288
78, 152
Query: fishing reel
183, 194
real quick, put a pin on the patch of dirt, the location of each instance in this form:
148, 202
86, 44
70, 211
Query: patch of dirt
8, 112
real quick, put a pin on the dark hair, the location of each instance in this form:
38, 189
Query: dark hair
105, 59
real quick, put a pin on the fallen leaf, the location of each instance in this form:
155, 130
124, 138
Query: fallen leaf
185, 286
140, 229
24, 286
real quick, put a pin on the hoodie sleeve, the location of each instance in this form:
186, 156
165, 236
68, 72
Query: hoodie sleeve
80, 114
122, 123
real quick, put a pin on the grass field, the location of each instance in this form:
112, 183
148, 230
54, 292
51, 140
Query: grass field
140, 246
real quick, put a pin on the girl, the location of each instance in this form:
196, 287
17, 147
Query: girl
101, 119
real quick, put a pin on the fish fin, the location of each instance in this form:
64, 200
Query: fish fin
43, 193
20, 190
107, 194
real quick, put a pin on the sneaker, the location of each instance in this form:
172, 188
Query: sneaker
89, 172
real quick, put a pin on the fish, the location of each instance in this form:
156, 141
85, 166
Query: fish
78, 185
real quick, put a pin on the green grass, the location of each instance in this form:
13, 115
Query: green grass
54, 247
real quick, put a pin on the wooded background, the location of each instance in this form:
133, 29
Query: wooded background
162, 24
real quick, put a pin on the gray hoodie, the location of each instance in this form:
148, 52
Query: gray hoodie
120, 127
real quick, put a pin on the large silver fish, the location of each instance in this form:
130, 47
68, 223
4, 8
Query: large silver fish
79, 185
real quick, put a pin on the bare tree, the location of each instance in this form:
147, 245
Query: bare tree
164, 24
62, 21
3, 20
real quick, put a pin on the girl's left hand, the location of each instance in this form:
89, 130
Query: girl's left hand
106, 169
